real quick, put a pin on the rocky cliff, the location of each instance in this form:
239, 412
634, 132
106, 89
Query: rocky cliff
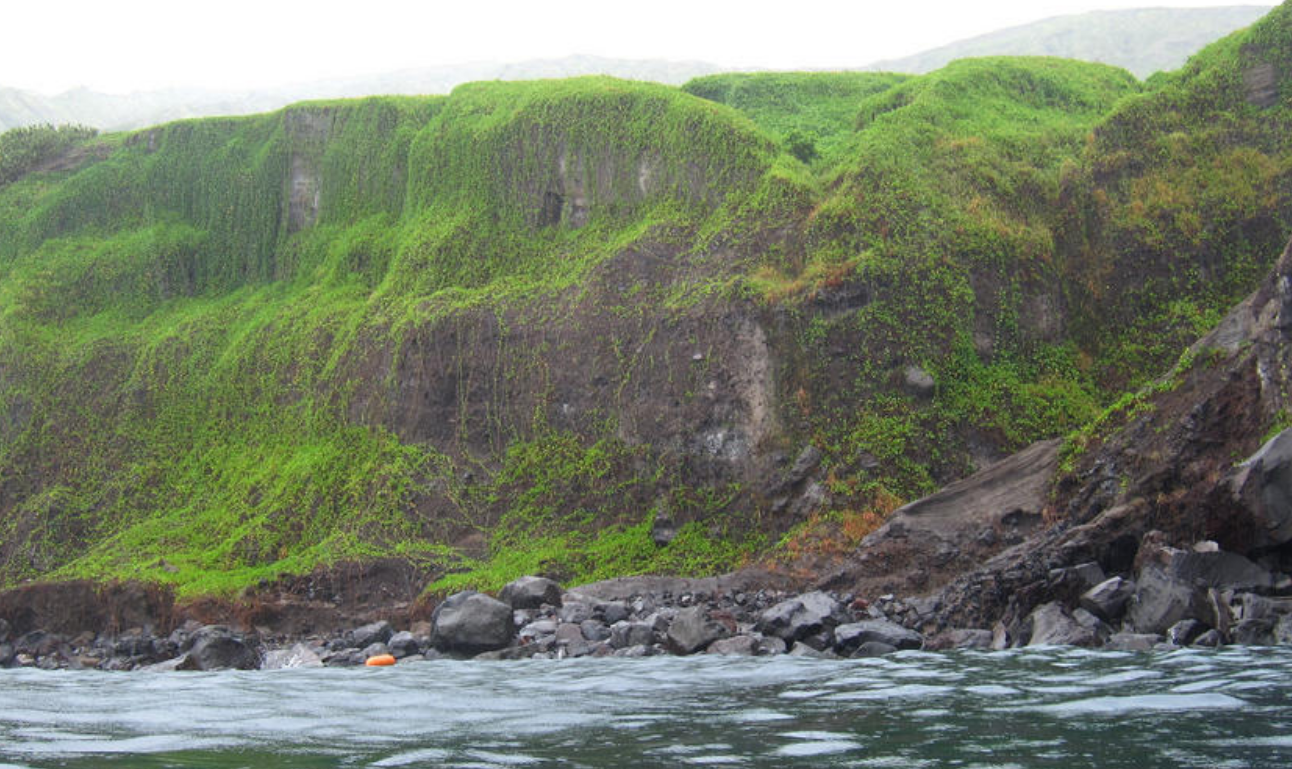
592, 327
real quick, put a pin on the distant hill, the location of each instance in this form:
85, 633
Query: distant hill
111, 111
1142, 40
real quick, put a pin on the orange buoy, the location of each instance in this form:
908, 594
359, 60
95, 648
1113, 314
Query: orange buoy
380, 661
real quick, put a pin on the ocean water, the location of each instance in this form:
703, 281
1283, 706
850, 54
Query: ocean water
1057, 707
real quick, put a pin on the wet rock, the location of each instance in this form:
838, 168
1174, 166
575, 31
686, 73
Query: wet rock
530, 593
736, 646
376, 632
298, 656
343, 658
1052, 626
1254, 632
771, 645
374, 650
471, 623
403, 644
1185, 631
1132, 642
851, 636
692, 630
638, 650
1107, 600
1161, 600
1262, 484
1283, 630
803, 650
797, 618
1211, 639
215, 647
873, 649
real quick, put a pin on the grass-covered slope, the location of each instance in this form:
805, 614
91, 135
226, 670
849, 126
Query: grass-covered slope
1183, 195
940, 224
182, 319
812, 113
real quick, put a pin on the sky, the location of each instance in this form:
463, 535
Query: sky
120, 46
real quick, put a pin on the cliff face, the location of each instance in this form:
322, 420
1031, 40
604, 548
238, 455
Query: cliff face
522, 327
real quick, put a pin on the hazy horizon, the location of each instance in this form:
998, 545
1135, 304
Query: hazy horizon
147, 45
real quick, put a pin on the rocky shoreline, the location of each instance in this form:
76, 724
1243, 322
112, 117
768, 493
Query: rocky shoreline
1202, 597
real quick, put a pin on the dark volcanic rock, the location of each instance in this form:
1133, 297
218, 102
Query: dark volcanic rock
376, 632
470, 623
1220, 569
1161, 600
692, 630
797, 618
737, 646
848, 638
531, 593
403, 644
1108, 599
216, 648
1263, 485
1052, 626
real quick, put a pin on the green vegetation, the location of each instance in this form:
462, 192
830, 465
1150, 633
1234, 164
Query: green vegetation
502, 331
23, 150
813, 113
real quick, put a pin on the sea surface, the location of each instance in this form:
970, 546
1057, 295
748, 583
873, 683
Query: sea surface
1031, 708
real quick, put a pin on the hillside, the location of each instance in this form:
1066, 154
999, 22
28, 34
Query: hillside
136, 110
1142, 40
593, 327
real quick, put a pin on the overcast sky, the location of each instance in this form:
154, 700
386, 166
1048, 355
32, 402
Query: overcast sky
124, 45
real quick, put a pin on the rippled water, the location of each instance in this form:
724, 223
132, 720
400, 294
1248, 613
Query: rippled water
1035, 708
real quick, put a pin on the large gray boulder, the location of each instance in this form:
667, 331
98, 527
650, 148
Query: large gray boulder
216, 648
1052, 626
1219, 569
471, 623
531, 593
1161, 600
852, 636
372, 633
797, 618
1108, 599
1262, 485
692, 630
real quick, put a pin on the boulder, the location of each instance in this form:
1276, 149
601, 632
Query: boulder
1283, 630
797, 618
1254, 632
735, 646
216, 648
403, 644
471, 623
1210, 638
594, 630
1185, 632
626, 634
1262, 485
1108, 599
530, 593
848, 638
376, 632
1052, 626
1161, 600
1219, 569
873, 649
692, 630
